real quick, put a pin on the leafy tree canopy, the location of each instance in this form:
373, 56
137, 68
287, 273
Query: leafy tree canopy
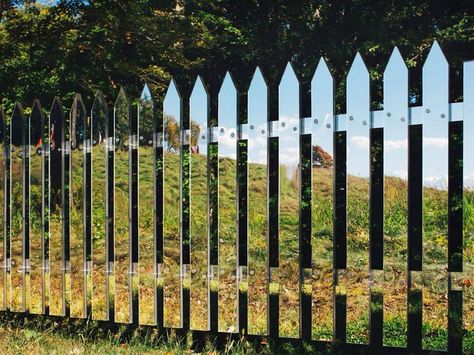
61, 47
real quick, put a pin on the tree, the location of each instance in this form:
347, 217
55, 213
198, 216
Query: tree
83, 46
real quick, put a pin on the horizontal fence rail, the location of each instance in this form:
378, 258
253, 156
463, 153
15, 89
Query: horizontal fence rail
243, 212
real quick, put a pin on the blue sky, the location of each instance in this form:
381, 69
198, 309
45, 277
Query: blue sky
435, 95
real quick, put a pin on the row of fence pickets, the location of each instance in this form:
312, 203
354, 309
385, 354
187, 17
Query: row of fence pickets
358, 79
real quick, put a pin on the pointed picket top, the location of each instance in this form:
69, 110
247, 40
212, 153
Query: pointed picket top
227, 117
435, 84
17, 114
258, 83
289, 76
288, 105
78, 114
198, 115
171, 105
199, 88
358, 91
395, 62
121, 110
56, 106
78, 104
146, 108
358, 68
17, 124
37, 107
57, 124
146, 118
199, 103
99, 117
322, 72
122, 98
228, 84
18, 111
37, 115
227, 109
36, 123
395, 88
435, 57
146, 94
172, 90
322, 94
121, 120
99, 102
257, 99
77, 121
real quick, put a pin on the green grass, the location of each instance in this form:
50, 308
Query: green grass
435, 247
42, 335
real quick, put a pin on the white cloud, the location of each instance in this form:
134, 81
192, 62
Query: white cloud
469, 181
395, 144
360, 142
438, 182
435, 142
226, 140
431, 142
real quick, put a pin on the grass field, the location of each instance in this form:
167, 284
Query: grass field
393, 281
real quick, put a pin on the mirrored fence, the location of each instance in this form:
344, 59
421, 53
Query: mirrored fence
56, 234
99, 221
198, 206
171, 167
358, 123
395, 197
38, 178
258, 287
146, 171
227, 139
229, 210
322, 125
435, 197
18, 184
122, 210
78, 222
287, 276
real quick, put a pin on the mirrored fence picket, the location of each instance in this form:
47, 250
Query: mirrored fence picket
238, 211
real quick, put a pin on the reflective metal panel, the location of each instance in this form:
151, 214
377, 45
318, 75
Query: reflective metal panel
146, 209
322, 161
3, 209
227, 192
198, 206
36, 199
99, 220
435, 196
358, 208
172, 208
395, 200
18, 162
122, 207
468, 199
57, 299
77, 207
289, 203
257, 205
